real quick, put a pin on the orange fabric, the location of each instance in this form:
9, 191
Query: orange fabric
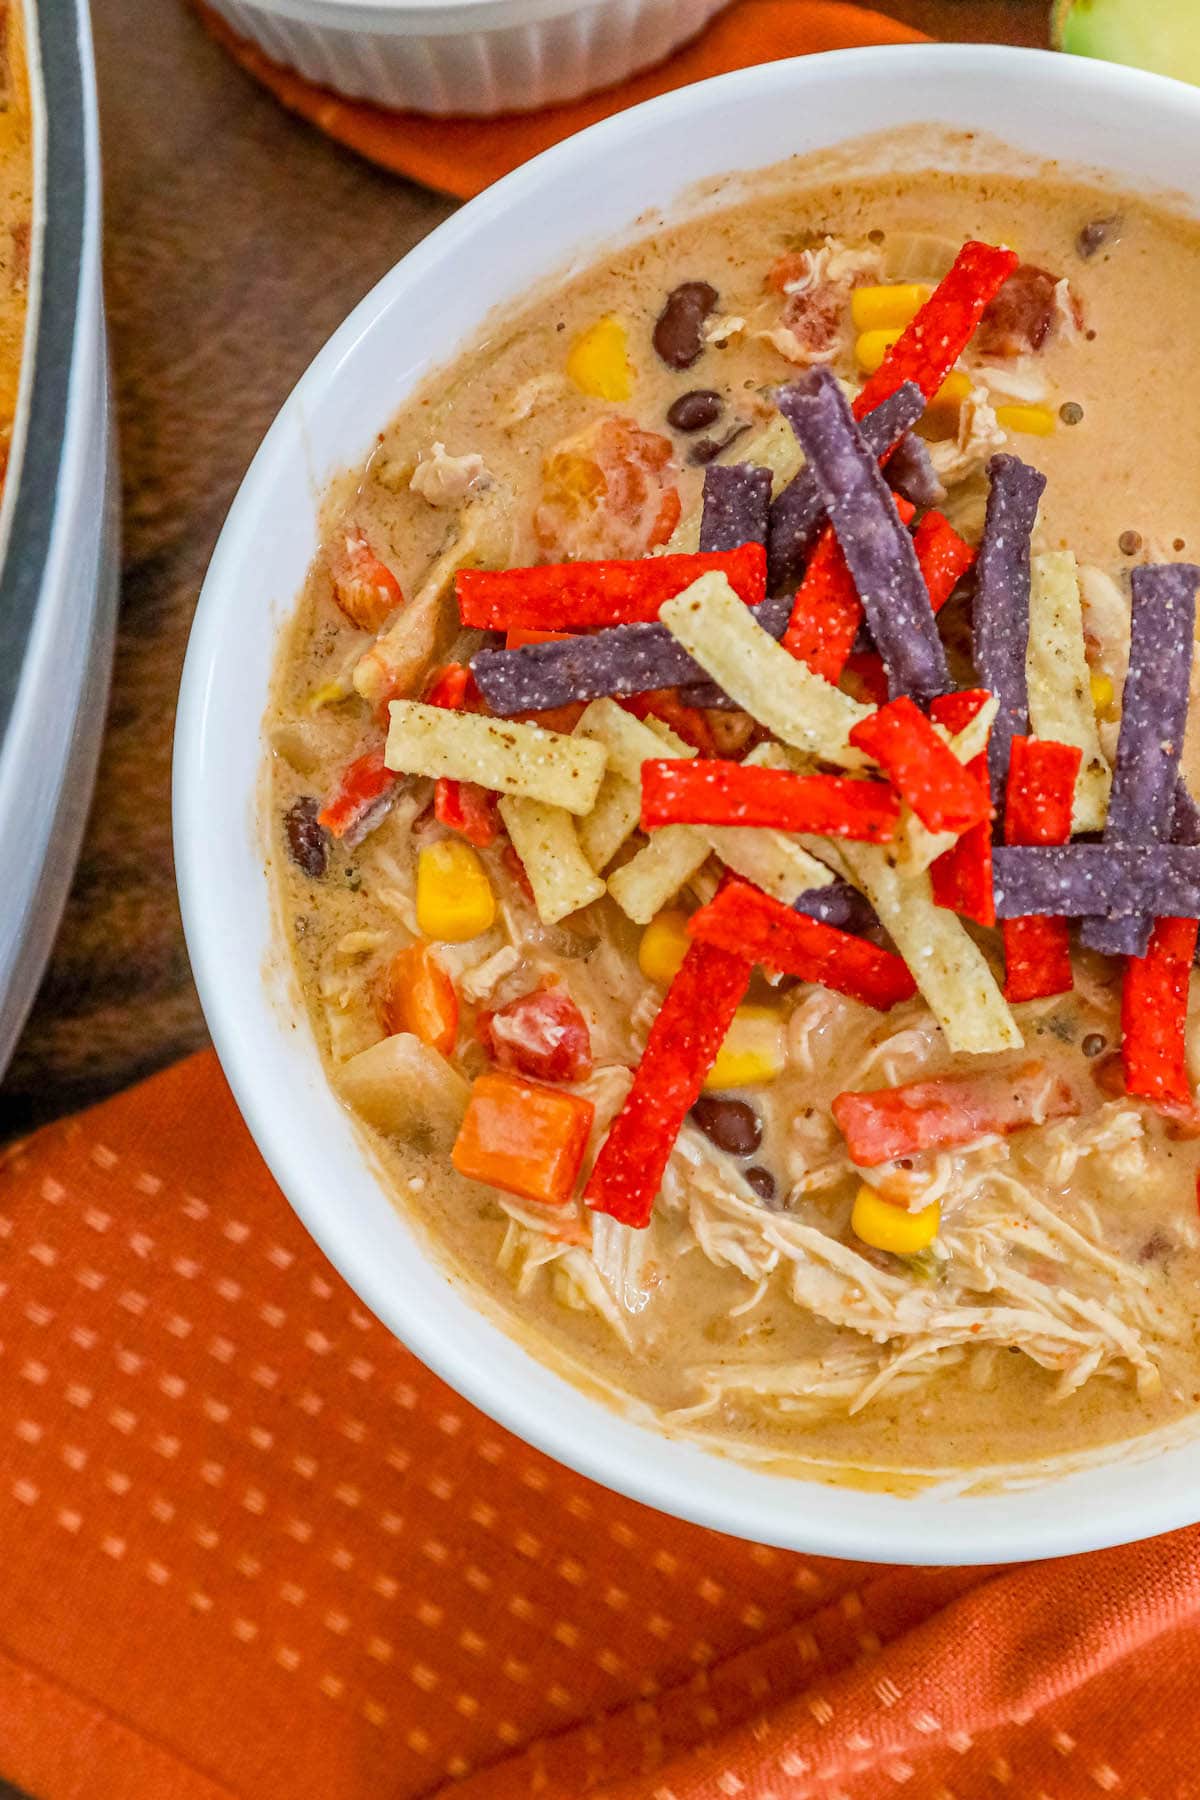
253, 1549
462, 156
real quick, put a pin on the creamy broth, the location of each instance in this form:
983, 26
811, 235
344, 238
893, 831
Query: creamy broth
1084, 1228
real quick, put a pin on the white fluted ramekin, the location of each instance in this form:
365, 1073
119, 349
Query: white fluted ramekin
467, 56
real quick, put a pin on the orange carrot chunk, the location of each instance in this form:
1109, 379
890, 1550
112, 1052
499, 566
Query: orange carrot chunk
944, 795
524, 1138
1154, 1003
418, 996
944, 1114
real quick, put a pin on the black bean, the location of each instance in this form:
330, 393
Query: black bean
704, 449
1093, 1044
732, 1125
762, 1181
694, 410
307, 842
1096, 233
678, 332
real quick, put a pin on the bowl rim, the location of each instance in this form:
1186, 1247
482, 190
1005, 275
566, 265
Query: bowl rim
432, 18
692, 1484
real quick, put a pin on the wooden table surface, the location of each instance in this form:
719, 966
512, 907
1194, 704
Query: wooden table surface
237, 239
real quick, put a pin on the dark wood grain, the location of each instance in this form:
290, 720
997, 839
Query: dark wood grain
237, 238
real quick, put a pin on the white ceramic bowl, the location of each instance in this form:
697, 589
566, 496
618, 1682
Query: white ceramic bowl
561, 209
58, 529
468, 56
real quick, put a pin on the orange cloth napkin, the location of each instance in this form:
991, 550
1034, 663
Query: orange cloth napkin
252, 1548
462, 156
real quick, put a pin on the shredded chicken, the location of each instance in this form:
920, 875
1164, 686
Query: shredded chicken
816, 286
978, 437
444, 480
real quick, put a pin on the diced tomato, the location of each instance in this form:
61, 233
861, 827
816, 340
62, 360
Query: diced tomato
1023, 314
417, 995
363, 586
454, 688
467, 808
542, 1034
609, 491
945, 1114
359, 786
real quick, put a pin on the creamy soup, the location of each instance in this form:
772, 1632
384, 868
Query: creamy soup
893, 1231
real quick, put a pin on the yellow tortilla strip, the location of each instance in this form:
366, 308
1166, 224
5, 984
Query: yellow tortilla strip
504, 754
946, 963
612, 821
800, 708
1060, 692
544, 838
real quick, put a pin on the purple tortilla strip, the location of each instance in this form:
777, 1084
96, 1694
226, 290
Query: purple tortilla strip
1154, 706
624, 659
798, 513
1110, 880
1185, 817
910, 472
877, 548
838, 904
737, 500
1001, 617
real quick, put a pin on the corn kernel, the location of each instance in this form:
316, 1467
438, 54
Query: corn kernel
954, 389
1034, 421
888, 1227
664, 944
598, 361
454, 896
878, 308
1102, 691
753, 1052
872, 347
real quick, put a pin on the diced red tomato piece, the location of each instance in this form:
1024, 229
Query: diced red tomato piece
467, 808
364, 782
542, 1034
363, 586
687, 722
1023, 314
418, 995
609, 491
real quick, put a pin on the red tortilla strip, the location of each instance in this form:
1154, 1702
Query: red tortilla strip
697, 1011
577, 596
961, 877
1154, 1003
944, 557
945, 1114
716, 792
744, 920
930, 345
827, 613
942, 793
1041, 793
